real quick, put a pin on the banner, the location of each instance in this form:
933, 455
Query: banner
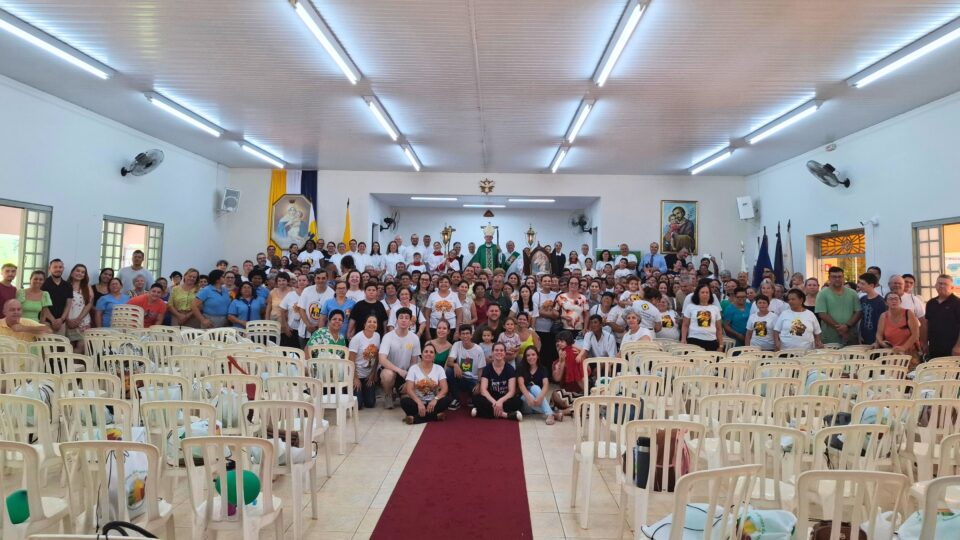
291, 208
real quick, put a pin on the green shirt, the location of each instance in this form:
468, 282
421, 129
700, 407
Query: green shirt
32, 308
840, 307
322, 337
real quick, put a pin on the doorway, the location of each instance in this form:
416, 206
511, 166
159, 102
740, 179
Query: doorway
844, 249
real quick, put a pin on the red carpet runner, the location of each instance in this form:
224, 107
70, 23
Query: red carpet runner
464, 480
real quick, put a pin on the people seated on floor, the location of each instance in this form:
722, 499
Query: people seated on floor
399, 349
425, 392
364, 349
463, 367
498, 397
533, 383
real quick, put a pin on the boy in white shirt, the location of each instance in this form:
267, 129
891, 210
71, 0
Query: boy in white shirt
464, 364
399, 348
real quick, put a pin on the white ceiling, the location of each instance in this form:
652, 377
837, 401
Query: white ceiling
491, 85
402, 200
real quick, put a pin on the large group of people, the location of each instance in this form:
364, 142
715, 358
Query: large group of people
436, 329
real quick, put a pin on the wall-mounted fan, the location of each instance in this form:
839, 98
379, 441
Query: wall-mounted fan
827, 174
580, 220
390, 222
144, 163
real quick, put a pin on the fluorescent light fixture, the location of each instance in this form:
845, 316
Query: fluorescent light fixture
412, 156
433, 198
532, 200
315, 23
919, 48
184, 114
578, 119
262, 154
484, 206
628, 23
381, 115
558, 158
711, 161
784, 121
54, 46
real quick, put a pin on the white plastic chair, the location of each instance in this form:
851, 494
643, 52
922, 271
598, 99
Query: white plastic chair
148, 387
931, 422
690, 390
942, 388
720, 409
772, 389
888, 389
844, 390
280, 422
805, 413
228, 393
263, 332
96, 419
647, 388
336, 376
126, 316
599, 422
163, 422
948, 464
738, 373
310, 390
91, 384
603, 371
97, 494
210, 510
871, 373
58, 363
670, 457
743, 349
726, 493
779, 451
44, 511
938, 492
27, 420
11, 362
222, 335
326, 351
865, 500
38, 385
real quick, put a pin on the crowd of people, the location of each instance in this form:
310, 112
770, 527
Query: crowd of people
432, 328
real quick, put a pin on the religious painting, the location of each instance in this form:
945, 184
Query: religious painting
537, 262
290, 219
679, 221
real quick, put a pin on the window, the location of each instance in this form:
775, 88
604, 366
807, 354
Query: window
846, 250
936, 247
122, 236
24, 236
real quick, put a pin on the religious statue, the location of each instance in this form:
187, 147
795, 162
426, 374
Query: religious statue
488, 255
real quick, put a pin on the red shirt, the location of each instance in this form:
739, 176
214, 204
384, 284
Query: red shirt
7, 292
573, 370
153, 312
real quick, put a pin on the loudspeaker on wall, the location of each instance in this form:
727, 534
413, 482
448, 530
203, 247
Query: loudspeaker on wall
230, 202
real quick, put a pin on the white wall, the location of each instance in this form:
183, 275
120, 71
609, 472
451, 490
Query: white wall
628, 206
903, 170
551, 226
57, 154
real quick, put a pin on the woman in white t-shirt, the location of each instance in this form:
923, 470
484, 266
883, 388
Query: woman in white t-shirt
364, 350
442, 304
701, 321
669, 320
760, 325
649, 314
797, 328
425, 394
776, 306
376, 259
634, 332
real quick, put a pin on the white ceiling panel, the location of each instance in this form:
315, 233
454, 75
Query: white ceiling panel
491, 85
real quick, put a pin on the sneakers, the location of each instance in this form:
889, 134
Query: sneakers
388, 401
515, 415
408, 420
473, 412
454, 405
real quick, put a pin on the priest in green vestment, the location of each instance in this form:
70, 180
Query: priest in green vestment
488, 254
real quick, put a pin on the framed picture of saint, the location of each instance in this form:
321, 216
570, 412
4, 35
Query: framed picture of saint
679, 222
290, 219
537, 262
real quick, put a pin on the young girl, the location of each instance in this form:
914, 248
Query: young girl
486, 343
567, 373
511, 339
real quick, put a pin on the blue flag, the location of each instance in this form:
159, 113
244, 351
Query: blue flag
778, 258
763, 261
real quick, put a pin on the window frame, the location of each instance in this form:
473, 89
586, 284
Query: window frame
925, 279
40, 257
153, 243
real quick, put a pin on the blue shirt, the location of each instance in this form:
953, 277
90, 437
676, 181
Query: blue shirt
262, 292
215, 303
737, 317
345, 307
657, 261
106, 303
246, 311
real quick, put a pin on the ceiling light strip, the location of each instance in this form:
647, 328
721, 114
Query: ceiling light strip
383, 118
412, 157
919, 48
711, 161
433, 198
532, 200
262, 154
184, 114
318, 27
578, 119
484, 206
558, 158
784, 121
628, 23
54, 46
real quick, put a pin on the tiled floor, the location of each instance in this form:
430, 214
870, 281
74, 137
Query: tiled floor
352, 500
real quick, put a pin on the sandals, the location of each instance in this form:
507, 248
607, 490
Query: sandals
550, 420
